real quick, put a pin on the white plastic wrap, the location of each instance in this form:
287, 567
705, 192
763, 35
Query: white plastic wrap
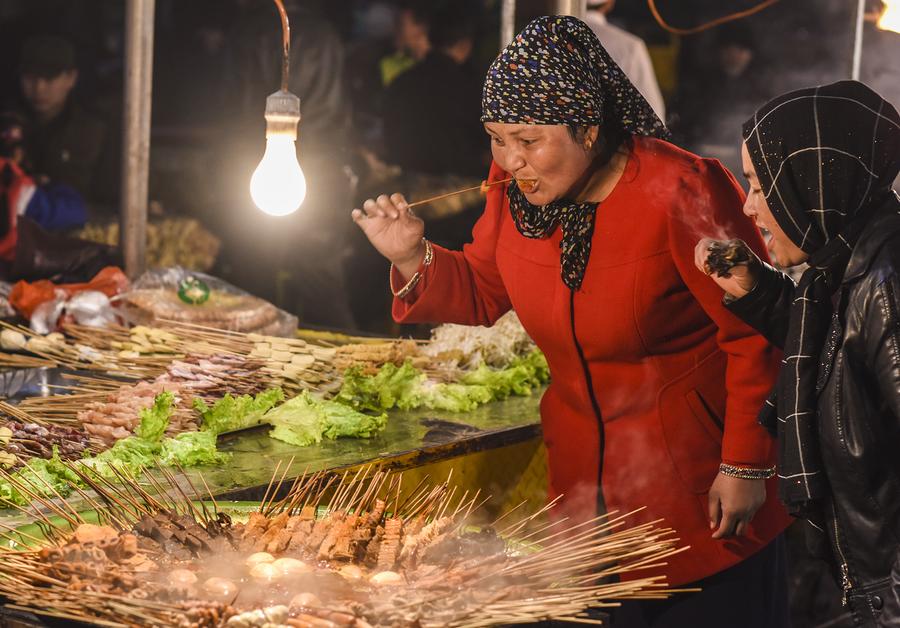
179, 295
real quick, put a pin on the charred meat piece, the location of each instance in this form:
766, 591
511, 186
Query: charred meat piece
374, 548
319, 532
276, 525
282, 539
420, 541
253, 530
345, 545
725, 255
327, 546
301, 535
390, 545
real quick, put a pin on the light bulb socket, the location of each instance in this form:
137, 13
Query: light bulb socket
282, 115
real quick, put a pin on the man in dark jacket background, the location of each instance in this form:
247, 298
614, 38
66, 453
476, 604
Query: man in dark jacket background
68, 144
432, 111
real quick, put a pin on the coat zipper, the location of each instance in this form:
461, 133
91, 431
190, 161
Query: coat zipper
594, 405
846, 583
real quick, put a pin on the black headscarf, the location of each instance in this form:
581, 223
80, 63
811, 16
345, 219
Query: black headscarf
556, 72
826, 158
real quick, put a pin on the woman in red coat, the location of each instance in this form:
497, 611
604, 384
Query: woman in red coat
655, 385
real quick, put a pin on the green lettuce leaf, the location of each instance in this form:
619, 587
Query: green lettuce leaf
305, 420
46, 478
537, 363
192, 449
235, 413
407, 388
521, 377
155, 419
297, 421
342, 421
393, 386
128, 455
456, 397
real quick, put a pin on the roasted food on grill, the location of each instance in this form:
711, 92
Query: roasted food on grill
354, 553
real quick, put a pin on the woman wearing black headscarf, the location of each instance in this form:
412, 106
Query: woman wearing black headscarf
655, 385
820, 163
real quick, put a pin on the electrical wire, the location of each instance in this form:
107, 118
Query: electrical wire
286, 44
708, 25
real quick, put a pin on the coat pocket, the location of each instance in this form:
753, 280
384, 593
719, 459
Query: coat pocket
705, 416
690, 422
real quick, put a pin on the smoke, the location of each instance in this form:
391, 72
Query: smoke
695, 208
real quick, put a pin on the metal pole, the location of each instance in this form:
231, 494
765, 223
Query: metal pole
576, 8
857, 40
507, 22
136, 127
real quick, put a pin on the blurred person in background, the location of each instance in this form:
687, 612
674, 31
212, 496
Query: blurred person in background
54, 206
726, 83
68, 144
395, 38
437, 104
374, 28
411, 41
627, 50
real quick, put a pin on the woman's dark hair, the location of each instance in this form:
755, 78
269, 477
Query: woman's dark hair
611, 137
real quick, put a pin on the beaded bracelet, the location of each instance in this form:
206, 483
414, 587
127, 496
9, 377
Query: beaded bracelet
417, 276
746, 473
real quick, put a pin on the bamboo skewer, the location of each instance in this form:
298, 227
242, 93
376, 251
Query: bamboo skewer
483, 186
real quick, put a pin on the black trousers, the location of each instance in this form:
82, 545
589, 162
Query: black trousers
752, 594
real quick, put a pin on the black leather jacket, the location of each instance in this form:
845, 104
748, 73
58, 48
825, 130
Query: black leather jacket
859, 415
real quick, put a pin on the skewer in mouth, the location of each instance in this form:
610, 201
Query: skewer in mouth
526, 185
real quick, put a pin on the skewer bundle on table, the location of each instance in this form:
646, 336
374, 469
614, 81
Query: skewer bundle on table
116, 414
355, 551
21, 441
201, 367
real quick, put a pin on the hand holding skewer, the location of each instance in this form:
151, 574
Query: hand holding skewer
396, 232
730, 263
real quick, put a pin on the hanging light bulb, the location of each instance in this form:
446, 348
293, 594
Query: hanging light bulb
890, 16
278, 186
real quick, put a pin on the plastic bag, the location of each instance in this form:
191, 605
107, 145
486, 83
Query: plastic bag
179, 295
45, 316
43, 302
6, 310
91, 308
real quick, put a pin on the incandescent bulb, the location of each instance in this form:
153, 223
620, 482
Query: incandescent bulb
890, 16
278, 186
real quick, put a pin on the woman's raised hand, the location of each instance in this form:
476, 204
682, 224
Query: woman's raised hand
738, 279
393, 230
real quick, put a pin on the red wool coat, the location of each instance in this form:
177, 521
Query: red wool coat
645, 344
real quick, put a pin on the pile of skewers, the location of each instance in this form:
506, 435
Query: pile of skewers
355, 551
